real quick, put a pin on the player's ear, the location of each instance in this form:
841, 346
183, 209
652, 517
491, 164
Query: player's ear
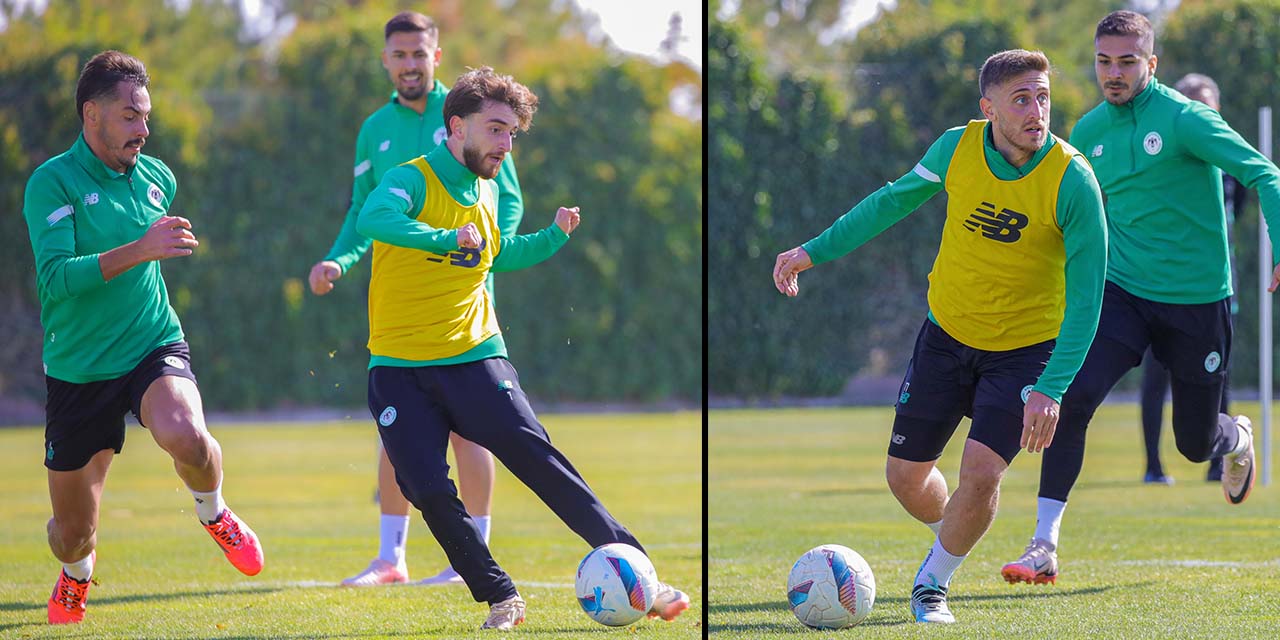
1151, 64
386, 64
986, 106
435, 59
456, 129
90, 112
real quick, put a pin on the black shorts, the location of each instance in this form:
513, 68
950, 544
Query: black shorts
1192, 341
83, 419
947, 381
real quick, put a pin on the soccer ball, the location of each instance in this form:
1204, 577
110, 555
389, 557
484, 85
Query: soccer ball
616, 584
831, 587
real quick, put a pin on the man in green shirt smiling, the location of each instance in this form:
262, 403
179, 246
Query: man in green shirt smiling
1158, 156
100, 223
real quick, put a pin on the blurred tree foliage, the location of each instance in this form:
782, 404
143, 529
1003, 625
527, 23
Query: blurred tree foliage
260, 132
794, 145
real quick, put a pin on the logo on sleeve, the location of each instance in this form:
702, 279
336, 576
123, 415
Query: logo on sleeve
154, 195
386, 144
387, 417
91, 198
1152, 144
440, 135
1097, 151
1212, 361
1005, 226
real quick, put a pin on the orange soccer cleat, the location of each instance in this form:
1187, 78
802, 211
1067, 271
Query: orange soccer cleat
66, 604
238, 541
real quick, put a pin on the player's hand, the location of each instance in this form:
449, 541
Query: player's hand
567, 219
469, 236
787, 269
1039, 421
323, 274
168, 237
1275, 279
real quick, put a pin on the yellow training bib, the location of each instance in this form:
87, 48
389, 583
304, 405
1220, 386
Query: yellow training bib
998, 282
426, 306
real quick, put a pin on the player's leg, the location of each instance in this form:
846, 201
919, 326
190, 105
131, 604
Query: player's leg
475, 482
393, 531
84, 429
1122, 337
1194, 342
167, 402
1214, 471
75, 496
1155, 385
414, 426
493, 411
936, 391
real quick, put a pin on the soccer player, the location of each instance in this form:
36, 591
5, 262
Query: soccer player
1013, 303
408, 126
1155, 378
99, 219
438, 362
1157, 156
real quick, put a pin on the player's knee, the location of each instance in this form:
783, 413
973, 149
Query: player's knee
1197, 451
71, 540
982, 477
905, 475
187, 443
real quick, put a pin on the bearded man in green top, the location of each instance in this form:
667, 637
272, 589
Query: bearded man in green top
1159, 157
410, 125
100, 223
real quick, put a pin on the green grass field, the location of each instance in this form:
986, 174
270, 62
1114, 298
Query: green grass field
1138, 561
307, 490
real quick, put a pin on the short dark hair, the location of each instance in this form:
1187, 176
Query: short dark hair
471, 89
1195, 83
1003, 66
412, 22
103, 72
1128, 23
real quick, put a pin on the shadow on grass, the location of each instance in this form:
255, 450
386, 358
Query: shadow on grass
852, 491
40, 605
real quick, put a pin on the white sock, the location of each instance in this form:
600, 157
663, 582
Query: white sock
938, 566
395, 531
80, 570
1242, 443
482, 523
1048, 519
209, 504
935, 527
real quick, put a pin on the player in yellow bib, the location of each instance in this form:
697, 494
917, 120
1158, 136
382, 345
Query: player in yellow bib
1014, 297
438, 363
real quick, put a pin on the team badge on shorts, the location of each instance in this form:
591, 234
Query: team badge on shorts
1026, 393
1212, 362
1153, 143
175, 362
154, 195
387, 416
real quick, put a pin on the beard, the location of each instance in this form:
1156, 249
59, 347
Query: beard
412, 93
474, 160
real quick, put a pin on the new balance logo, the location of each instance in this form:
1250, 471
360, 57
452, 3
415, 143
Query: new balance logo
467, 258
1005, 226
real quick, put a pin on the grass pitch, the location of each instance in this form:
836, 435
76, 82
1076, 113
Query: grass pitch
307, 490
1137, 561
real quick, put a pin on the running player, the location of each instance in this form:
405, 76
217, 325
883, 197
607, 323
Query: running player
99, 219
1157, 155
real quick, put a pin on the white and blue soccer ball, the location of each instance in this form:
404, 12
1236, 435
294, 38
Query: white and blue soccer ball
831, 587
616, 584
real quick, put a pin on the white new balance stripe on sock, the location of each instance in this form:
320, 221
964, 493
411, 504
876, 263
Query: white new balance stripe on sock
482, 523
208, 503
80, 570
1049, 519
391, 540
938, 566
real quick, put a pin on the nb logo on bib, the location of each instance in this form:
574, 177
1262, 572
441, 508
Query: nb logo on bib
1005, 226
